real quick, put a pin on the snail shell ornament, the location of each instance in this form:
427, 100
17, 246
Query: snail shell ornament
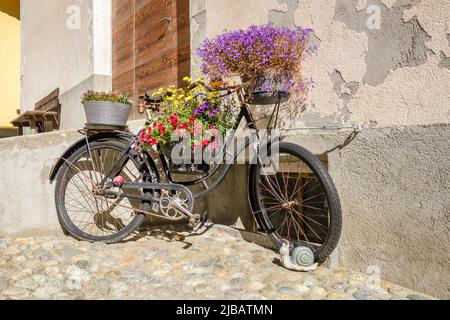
302, 259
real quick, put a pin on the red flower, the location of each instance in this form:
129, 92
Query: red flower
173, 120
162, 129
205, 143
185, 126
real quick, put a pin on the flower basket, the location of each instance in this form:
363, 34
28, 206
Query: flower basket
267, 58
106, 109
186, 165
107, 114
267, 89
192, 115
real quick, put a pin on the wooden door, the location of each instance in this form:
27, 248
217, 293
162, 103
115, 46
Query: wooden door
151, 45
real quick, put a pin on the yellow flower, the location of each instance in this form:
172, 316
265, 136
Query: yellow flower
187, 79
189, 98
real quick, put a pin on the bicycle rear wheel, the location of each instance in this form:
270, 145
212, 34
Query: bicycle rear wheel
89, 217
294, 199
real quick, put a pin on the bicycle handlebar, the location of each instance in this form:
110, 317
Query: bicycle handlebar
215, 88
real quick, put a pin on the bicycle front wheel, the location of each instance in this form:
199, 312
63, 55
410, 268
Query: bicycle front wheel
294, 199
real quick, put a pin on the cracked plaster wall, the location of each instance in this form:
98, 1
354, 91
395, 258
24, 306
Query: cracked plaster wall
394, 82
397, 75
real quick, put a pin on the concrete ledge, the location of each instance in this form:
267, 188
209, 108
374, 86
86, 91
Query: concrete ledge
26, 197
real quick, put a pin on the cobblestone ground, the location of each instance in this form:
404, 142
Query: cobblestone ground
215, 265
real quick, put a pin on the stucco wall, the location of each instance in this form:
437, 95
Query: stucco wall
72, 111
391, 80
394, 185
64, 43
9, 61
26, 196
395, 75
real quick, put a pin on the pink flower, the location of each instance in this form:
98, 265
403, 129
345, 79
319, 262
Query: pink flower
214, 145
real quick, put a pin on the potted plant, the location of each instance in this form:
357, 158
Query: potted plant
109, 109
188, 115
268, 60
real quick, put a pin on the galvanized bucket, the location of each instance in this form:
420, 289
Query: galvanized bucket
107, 113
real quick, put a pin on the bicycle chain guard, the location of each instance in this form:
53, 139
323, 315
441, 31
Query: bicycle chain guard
174, 200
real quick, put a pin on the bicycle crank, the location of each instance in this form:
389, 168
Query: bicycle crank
174, 202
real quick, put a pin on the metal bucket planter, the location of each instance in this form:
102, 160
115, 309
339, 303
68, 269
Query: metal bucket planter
107, 114
186, 166
266, 89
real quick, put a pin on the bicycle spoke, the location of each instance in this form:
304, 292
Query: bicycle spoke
296, 204
92, 214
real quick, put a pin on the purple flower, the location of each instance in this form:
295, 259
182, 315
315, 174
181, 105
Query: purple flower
257, 48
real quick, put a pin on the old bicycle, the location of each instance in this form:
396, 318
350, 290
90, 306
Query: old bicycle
105, 187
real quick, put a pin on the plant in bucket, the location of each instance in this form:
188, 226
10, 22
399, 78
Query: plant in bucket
189, 121
106, 109
268, 59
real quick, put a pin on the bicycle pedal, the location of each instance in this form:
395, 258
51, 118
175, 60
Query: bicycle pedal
196, 218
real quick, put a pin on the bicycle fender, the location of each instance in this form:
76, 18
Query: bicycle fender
81, 143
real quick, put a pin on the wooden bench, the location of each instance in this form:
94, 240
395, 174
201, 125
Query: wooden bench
45, 117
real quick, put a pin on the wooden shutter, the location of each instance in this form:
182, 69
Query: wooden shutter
151, 45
